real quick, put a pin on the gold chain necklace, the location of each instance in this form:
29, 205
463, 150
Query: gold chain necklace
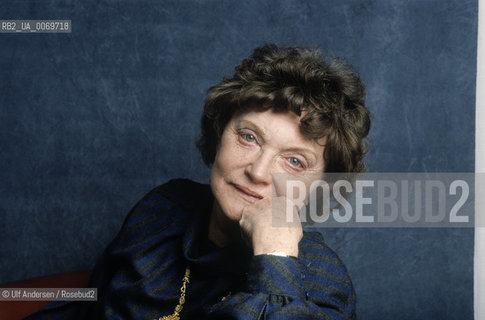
175, 315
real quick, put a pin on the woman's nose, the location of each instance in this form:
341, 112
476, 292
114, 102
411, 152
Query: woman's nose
259, 169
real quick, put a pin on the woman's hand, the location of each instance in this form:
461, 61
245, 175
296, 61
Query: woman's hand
272, 226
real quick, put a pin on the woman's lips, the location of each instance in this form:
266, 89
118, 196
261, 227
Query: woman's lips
247, 193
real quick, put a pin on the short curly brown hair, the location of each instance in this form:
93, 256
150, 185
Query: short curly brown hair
329, 97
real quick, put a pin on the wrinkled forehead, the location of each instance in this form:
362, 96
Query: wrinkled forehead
313, 126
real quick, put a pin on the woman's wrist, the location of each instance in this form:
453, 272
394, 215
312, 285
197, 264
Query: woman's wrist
279, 253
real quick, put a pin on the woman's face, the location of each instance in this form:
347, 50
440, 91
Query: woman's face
254, 145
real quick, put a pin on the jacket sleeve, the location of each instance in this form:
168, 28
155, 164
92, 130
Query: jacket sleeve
314, 286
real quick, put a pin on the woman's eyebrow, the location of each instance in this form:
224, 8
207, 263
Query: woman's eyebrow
305, 151
251, 125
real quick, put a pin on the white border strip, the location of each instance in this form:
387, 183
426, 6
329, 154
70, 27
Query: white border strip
479, 265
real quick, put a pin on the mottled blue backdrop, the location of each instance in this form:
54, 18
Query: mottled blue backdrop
92, 120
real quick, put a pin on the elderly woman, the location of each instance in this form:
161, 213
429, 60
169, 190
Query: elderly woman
193, 251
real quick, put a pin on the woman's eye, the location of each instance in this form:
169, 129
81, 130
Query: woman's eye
249, 137
295, 162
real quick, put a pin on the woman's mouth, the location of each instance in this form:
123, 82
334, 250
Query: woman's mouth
247, 194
